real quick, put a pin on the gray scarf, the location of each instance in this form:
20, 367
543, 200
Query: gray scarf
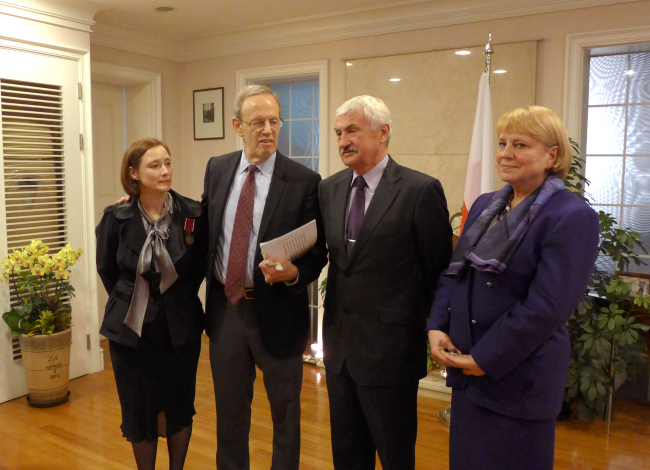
157, 234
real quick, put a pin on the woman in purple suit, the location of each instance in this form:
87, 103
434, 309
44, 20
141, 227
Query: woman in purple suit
519, 270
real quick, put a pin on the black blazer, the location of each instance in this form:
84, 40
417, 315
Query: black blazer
120, 237
282, 312
378, 301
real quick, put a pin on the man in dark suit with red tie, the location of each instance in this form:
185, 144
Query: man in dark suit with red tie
257, 315
389, 238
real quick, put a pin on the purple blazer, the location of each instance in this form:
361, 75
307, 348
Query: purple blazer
513, 324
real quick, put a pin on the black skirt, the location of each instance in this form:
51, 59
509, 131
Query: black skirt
484, 439
156, 382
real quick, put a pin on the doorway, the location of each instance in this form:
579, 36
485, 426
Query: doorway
126, 105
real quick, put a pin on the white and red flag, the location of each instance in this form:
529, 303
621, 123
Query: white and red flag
480, 168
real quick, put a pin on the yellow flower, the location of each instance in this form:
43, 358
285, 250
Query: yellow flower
44, 260
38, 270
7, 264
62, 274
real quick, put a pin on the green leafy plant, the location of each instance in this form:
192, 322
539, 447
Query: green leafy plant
605, 328
40, 281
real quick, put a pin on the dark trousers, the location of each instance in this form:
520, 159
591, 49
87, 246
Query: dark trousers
367, 419
235, 349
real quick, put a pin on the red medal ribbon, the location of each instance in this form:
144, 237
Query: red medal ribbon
189, 225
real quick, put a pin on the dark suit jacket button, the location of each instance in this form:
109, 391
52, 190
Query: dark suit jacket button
489, 284
346, 311
347, 275
473, 322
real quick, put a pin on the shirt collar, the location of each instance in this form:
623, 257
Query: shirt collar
373, 176
265, 168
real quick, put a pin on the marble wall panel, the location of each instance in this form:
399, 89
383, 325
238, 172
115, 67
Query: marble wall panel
434, 104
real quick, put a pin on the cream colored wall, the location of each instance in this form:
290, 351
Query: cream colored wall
180, 79
170, 72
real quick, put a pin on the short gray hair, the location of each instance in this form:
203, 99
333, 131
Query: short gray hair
374, 109
252, 90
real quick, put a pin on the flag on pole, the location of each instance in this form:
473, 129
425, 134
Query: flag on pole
480, 168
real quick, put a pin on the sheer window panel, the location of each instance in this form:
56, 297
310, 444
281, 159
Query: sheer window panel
302, 100
638, 130
605, 175
604, 262
316, 138
637, 219
637, 181
607, 80
640, 79
284, 139
302, 138
308, 162
605, 130
283, 92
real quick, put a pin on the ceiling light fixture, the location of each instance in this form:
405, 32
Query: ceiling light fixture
463, 52
629, 72
164, 9
394, 79
348, 63
500, 71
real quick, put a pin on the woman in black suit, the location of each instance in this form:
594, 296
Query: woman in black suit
151, 255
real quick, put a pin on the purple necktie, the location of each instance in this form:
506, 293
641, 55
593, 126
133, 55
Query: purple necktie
241, 233
355, 217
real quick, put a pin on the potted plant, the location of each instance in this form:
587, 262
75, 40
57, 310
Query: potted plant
606, 334
42, 317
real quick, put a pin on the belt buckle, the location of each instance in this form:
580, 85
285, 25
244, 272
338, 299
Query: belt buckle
249, 294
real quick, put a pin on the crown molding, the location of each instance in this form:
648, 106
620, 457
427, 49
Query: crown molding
331, 27
66, 13
131, 40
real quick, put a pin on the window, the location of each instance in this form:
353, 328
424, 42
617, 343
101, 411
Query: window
618, 140
298, 140
300, 133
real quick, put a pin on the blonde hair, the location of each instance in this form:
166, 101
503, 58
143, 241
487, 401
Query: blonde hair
544, 125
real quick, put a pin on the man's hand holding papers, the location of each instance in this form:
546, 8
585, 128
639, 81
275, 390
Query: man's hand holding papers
279, 252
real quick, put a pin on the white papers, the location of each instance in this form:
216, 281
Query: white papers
292, 245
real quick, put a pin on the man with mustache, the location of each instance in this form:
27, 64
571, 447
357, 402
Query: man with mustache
257, 315
389, 238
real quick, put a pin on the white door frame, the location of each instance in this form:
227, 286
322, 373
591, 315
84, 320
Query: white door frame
129, 76
576, 50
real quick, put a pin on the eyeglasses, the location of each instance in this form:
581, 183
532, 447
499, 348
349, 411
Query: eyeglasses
260, 125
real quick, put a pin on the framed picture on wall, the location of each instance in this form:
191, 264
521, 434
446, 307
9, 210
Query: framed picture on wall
208, 114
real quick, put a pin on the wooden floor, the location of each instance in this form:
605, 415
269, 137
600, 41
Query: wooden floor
84, 433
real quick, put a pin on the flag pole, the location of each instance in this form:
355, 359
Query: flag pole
488, 57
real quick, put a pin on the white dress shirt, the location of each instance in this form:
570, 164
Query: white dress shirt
262, 185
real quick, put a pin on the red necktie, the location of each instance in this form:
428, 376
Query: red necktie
241, 232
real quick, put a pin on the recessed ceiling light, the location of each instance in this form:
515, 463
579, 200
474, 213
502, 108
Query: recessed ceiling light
461, 52
164, 9
500, 71
629, 72
394, 79
348, 63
